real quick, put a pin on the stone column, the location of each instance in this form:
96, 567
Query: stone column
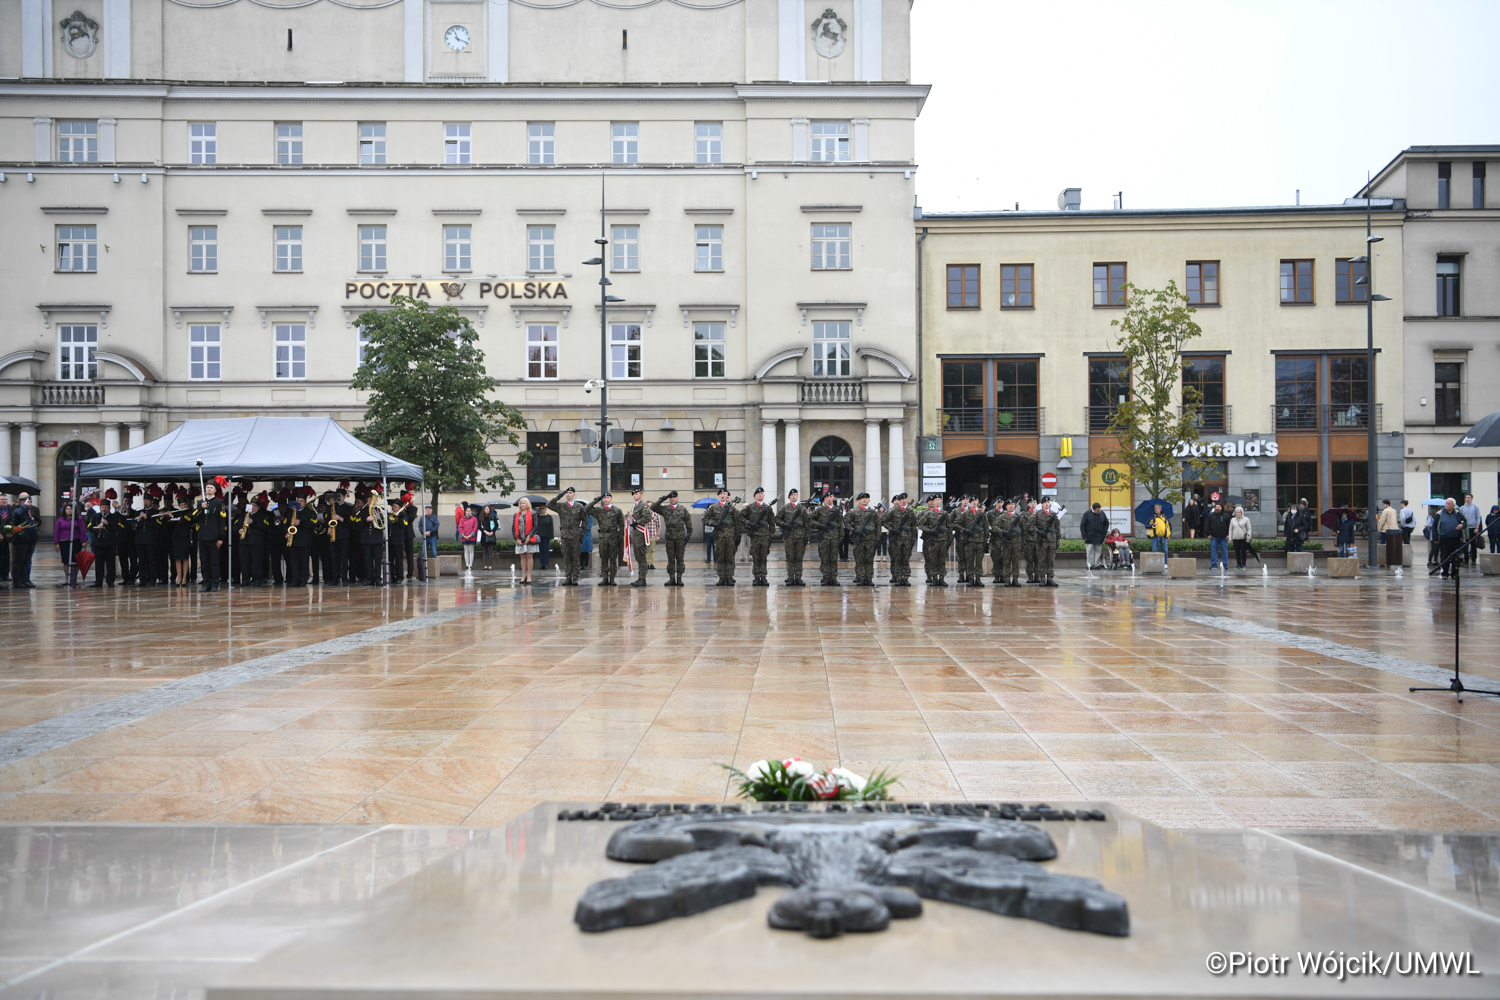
27, 463
5, 466
768, 458
137, 435
872, 459
896, 473
793, 466
111, 445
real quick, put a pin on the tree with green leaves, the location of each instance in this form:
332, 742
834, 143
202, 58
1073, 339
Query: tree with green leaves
1153, 440
430, 397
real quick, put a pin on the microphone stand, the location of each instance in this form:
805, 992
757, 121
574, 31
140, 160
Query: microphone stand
1456, 685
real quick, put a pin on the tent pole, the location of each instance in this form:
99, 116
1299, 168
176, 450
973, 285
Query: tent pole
385, 549
77, 513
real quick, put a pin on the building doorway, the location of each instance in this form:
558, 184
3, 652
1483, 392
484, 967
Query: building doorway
832, 462
987, 478
68, 457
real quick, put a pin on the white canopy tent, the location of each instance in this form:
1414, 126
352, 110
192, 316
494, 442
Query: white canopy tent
255, 448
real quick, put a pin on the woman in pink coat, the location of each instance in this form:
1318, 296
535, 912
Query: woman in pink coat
468, 534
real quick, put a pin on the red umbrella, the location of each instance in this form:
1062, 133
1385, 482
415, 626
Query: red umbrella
85, 561
1330, 518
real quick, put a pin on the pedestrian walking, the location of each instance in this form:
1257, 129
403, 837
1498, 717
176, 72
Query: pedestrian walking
1094, 527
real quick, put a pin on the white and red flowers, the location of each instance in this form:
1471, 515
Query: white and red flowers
795, 780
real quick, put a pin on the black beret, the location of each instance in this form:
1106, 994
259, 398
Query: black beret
672, 494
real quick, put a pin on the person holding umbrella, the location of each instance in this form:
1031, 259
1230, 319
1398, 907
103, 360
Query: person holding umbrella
1159, 530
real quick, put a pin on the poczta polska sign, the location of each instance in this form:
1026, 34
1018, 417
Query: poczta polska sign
454, 292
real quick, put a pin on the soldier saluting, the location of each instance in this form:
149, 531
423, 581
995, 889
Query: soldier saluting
571, 517
677, 528
830, 523
901, 522
726, 525
794, 523
862, 524
611, 529
758, 520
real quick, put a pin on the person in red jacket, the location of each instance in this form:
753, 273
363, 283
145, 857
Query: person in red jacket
528, 540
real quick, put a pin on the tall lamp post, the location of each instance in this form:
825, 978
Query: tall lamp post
1372, 461
602, 382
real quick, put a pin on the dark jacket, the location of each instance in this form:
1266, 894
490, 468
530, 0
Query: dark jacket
1216, 523
1094, 526
1451, 524
1192, 517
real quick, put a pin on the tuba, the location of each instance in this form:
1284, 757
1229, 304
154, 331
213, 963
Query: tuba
377, 514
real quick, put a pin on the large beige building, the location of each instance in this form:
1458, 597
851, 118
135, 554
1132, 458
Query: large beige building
1451, 314
217, 191
1019, 361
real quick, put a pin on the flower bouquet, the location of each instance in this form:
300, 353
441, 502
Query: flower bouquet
795, 780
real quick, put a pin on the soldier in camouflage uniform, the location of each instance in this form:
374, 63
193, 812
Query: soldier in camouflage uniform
571, 517
640, 524
794, 520
1005, 544
726, 524
863, 526
758, 520
1048, 533
830, 523
974, 537
1027, 520
677, 528
937, 535
611, 522
901, 522
960, 520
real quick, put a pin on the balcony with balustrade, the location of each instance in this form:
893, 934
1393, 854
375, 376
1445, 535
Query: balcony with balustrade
993, 421
1319, 417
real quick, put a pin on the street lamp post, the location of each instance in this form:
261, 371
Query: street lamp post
603, 381
1372, 461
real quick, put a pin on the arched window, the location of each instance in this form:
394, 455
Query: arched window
68, 456
832, 466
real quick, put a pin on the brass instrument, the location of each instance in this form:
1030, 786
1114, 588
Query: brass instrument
245, 524
377, 515
291, 530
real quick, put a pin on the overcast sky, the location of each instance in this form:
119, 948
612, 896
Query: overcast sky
1191, 104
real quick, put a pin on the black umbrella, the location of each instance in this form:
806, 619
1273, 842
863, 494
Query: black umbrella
1485, 434
536, 499
16, 484
497, 504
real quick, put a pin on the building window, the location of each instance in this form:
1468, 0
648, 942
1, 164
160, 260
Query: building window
1109, 386
709, 249
831, 349
708, 142
78, 248
372, 248
1016, 397
625, 142
456, 247
542, 470
624, 248
361, 343
708, 350
963, 397
1350, 486
1203, 282
289, 248
203, 352
1297, 481
539, 142
456, 143
1479, 184
830, 247
203, 142
1445, 182
1349, 391
203, 249
288, 142
1016, 286
710, 454
830, 141
78, 142
1448, 392
1351, 281
1296, 282
291, 350
963, 286
624, 350
541, 350
1109, 285
1207, 376
831, 462
626, 474
1447, 286
1296, 394
541, 247
372, 142
75, 353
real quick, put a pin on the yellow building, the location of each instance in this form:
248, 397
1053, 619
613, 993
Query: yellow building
1019, 360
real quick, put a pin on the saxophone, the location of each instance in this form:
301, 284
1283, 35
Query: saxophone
245, 525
